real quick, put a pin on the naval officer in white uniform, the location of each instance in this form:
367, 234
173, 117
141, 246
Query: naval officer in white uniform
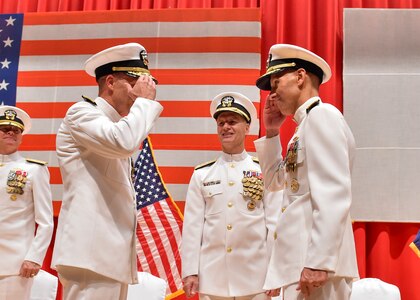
26, 218
227, 218
314, 254
95, 247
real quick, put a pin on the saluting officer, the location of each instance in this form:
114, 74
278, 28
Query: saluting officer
95, 248
25, 202
227, 216
314, 254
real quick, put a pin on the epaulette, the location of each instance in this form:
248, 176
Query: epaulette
87, 99
255, 159
312, 106
206, 164
35, 161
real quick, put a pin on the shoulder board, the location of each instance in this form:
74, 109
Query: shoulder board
35, 161
206, 164
87, 99
255, 159
316, 103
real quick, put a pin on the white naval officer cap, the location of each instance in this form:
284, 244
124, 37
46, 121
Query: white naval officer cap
13, 116
129, 58
285, 56
233, 102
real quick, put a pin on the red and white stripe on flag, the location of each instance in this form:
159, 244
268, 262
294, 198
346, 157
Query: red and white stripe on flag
194, 53
159, 223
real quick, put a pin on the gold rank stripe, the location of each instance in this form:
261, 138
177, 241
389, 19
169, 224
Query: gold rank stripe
206, 164
36, 161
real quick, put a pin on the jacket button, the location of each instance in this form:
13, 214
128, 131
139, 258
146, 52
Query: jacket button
229, 227
229, 249
230, 204
231, 183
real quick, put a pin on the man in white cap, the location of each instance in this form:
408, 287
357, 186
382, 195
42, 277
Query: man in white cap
314, 254
95, 246
227, 216
25, 204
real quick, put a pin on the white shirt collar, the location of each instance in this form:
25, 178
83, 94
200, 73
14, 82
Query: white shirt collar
11, 157
108, 109
301, 113
234, 157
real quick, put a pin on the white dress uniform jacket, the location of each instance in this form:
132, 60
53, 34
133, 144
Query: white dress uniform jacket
223, 242
314, 229
97, 222
20, 212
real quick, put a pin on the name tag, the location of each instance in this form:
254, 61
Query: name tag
211, 183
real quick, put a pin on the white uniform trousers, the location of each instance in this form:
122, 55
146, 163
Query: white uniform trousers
337, 288
82, 284
261, 296
15, 287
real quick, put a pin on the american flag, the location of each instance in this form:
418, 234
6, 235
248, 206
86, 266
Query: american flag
159, 222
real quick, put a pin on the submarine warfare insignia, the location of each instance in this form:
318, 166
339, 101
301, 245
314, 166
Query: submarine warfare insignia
253, 187
16, 181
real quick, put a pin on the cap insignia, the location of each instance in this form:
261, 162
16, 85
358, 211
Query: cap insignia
143, 56
270, 57
10, 114
227, 101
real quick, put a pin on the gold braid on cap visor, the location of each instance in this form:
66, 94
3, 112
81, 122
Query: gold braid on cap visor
235, 110
281, 66
134, 70
12, 123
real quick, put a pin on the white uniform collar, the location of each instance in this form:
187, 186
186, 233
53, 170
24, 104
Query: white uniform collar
108, 109
234, 157
11, 157
300, 113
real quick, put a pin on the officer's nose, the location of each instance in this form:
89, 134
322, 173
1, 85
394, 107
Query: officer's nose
226, 126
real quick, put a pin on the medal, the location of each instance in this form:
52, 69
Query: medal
294, 185
253, 187
16, 180
291, 156
251, 205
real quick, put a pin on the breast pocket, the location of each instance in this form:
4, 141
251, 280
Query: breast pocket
213, 196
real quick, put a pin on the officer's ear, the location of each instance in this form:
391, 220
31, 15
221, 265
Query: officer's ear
248, 126
300, 76
109, 81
